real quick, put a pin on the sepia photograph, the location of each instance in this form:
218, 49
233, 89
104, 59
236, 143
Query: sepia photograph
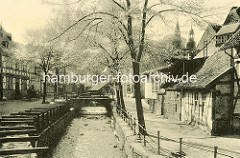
119, 79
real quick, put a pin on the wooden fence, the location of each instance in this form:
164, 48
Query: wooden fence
29, 126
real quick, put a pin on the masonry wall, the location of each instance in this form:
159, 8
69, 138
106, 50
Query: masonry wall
172, 105
223, 104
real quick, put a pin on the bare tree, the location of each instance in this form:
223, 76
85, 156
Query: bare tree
132, 19
114, 53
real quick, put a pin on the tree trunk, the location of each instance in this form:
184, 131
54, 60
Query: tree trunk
118, 96
44, 91
137, 90
121, 98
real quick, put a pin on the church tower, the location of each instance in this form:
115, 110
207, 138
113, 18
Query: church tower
177, 40
191, 44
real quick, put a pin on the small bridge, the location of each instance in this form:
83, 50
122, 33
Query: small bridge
89, 101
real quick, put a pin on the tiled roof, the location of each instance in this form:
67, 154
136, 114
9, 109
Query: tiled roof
99, 86
233, 41
214, 66
230, 28
233, 16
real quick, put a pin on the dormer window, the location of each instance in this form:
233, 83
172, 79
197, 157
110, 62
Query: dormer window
226, 32
5, 43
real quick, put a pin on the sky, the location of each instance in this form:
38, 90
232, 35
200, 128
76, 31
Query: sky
17, 16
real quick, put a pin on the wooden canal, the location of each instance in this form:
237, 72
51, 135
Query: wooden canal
40, 127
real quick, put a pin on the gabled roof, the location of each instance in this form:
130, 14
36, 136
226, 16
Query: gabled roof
208, 36
99, 86
230, 28
214, 67
233, 16
233, 41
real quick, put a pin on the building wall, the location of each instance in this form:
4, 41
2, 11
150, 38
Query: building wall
197, 108
149, 91
172, 105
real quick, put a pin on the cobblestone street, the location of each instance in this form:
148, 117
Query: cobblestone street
88, 137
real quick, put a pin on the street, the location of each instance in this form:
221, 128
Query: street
193, 135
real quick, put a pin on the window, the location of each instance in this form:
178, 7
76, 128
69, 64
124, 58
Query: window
17, 66
24, 85
176, 108
9, 83
204, 100
128, 88
195, 100
155, 87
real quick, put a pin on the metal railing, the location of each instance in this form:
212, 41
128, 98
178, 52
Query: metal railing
156, 141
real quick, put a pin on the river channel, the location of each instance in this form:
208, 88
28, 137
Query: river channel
89, 137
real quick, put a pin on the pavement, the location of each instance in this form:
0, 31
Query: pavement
198, 143
10, 106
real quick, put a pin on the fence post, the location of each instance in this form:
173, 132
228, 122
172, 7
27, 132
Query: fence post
215, 151
180, 148
47, 118
158, 133
134, 126
128, 119
0, 141
131, 122
144, 136
36, 119
43, 120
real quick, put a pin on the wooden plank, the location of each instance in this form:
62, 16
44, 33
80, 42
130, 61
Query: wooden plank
38, 110
15, 127
23, 150
16, 119
12, 132
17, 122
19, 139
17, 116
26, 113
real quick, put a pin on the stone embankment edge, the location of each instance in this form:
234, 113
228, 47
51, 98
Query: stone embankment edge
50, 136
129, 145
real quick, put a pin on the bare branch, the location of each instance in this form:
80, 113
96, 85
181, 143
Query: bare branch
84, 17
119, 5
143, 30
53, 3
86, 28
174, 10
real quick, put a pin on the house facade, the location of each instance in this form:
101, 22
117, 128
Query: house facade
212, 103
17, 75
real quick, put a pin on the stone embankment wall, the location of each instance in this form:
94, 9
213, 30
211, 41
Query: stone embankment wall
53, 133
128, 141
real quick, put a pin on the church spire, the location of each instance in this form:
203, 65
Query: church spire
177, 32
177, 40
191, 44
